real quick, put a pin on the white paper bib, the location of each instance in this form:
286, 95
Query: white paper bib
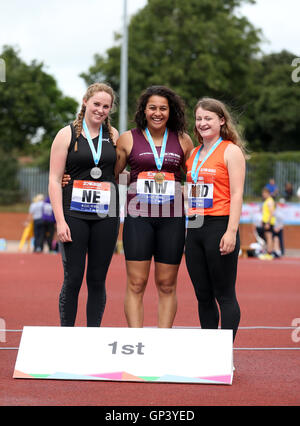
152, 192
90, 196
200, 195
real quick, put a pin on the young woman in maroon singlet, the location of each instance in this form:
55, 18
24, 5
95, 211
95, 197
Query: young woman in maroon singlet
154, 223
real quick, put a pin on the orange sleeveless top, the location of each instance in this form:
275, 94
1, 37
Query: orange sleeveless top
212, 184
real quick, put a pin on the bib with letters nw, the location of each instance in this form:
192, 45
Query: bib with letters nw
153, 192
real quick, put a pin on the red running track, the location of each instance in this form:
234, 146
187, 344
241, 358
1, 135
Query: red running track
268, 293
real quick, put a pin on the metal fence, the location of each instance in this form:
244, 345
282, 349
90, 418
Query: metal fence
287, 172
283, 172
35, 181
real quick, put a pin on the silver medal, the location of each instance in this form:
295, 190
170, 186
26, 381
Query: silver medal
96, 173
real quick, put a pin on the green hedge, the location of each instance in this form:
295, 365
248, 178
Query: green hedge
9, 186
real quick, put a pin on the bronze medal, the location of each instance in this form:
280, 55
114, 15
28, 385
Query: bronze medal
159, 177
195, 191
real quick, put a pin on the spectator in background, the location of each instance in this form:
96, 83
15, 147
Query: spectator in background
258, 229
288, 191
36, 213
258, 247
49, 223
268, 221
278, 240
272, 187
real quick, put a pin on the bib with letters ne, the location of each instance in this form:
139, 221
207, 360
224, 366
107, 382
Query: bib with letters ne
90, 196
152, 192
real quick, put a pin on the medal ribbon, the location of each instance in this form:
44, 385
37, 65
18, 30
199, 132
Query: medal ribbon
195, 172
96, 155
158, 160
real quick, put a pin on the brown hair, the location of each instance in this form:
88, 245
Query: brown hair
91, 90
229, 130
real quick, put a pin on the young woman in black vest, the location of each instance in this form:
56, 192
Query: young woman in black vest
86, 210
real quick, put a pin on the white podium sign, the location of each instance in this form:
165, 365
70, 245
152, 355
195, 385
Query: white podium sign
126, 354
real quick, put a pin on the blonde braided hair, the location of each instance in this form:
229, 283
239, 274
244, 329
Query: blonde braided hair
91, 90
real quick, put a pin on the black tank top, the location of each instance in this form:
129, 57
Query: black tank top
79, 164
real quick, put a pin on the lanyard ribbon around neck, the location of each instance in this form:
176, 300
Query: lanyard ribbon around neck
195, 170
96, 154
158, 160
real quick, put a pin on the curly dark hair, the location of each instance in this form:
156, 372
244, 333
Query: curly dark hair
176, 121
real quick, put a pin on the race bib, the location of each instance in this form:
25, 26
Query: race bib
155, 191
90, 196
200, 195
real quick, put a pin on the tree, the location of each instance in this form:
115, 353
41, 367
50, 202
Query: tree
195, 47
30, 102
9, 185
273, 119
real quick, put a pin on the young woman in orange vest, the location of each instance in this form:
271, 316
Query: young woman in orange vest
215, 180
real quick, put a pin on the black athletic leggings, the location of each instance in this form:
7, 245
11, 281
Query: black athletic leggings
213, 276
96, 239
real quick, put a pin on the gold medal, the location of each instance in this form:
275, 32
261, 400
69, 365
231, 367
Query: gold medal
159, 177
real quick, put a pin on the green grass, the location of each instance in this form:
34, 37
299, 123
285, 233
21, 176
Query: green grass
15, 208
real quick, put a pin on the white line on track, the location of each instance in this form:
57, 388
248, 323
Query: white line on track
266, 349
235, 349
258, 327
255, 327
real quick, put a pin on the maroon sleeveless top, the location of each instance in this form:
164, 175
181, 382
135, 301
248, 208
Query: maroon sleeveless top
141, 159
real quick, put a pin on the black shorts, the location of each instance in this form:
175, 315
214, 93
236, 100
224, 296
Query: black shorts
161, 237
269, 228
